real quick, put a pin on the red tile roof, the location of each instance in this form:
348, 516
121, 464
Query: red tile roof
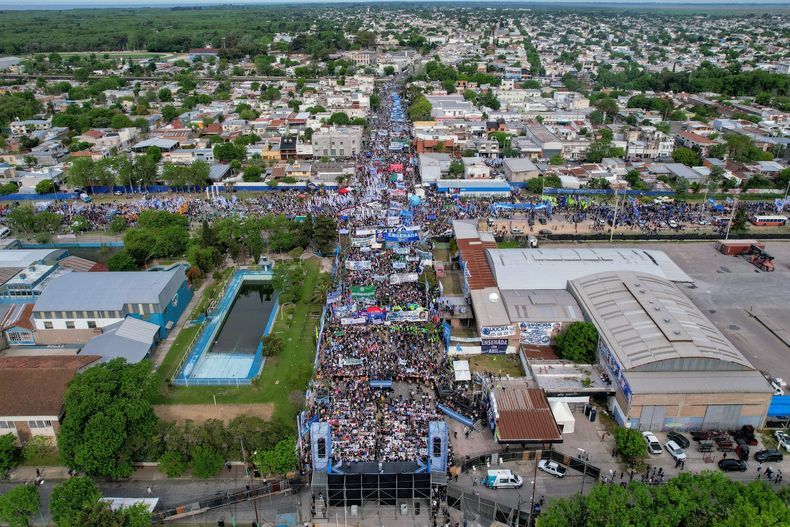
525, 416
36, 385
473, 253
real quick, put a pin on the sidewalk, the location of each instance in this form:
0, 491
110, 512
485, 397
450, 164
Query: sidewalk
147, 472
164, 347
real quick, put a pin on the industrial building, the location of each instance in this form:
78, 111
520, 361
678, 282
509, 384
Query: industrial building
76, 306
672, 368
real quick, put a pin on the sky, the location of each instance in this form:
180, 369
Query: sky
55, 4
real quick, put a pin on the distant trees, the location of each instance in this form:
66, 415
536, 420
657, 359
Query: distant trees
687, 156
420, 109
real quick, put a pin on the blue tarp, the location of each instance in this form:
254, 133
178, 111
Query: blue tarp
455, 415
780, 406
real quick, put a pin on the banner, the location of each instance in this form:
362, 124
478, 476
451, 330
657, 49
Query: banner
332, 297
358, 265
408, 316
538, 333
402, 236
351, 362
401, 250
497, 331
493, 346
399, 265
363, 291
402, 278
353, 321
362, 242
448, 330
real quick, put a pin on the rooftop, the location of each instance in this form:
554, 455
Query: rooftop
553, 268
541, 305
647, 320
524, 415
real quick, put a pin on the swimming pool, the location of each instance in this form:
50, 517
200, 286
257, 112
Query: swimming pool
228, 348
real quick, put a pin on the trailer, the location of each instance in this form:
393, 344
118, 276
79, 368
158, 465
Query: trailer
736, 247
759, 258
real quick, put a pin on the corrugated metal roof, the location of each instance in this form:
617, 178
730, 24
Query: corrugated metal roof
473, 253
109, 291
646, 319
525, 416
553, 268
136, 329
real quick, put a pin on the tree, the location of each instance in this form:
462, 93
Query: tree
120, 120
389, 70
154, 152
420, 109
122, 261
630, 443
601, 149
556, 159
71, 497
169, 113
577, 342
108, 418
252, 174
205, 462
288, 279
9, 453
45, 186
165, 95
227, 152
687, 156
18, 505
280, 459
740, 222
324, 234
339, 118
172, 464
456, 169
273, 345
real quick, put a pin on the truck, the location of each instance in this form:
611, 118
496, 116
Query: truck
736, 247
757, 256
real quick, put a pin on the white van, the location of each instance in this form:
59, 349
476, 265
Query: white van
502, 479
4, 232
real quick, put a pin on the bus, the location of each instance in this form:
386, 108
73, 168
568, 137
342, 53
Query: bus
766, 221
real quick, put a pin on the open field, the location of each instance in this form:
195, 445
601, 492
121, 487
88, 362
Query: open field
284, 377
200, 413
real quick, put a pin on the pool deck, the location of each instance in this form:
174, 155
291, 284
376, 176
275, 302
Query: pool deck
227, 367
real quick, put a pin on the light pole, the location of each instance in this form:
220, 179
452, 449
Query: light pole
614, 218
732, 217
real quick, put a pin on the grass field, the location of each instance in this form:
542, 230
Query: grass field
497, 364
284, 377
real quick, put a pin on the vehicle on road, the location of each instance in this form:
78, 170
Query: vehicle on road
552, 467
653, 446
769, 454
118, 193
732, 465
681, 440
502, 479
85, 198
675, 451
782, 439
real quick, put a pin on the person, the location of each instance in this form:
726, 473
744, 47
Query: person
148, 490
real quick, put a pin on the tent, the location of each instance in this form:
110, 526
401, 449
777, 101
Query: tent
461, 370
563, 416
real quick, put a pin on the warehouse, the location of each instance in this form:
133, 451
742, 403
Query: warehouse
672, 368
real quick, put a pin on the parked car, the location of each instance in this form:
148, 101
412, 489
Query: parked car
675, 451
769, 454
653, 446
679, 438
545, 232
783, 439
552, 467
732, 465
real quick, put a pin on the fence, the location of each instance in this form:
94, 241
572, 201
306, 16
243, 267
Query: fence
223, 499
527, 455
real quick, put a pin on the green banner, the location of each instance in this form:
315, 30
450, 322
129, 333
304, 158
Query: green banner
364, 291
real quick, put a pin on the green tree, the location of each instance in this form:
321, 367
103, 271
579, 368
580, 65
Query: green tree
288, 279
273, 345
122, 261
280, 459
172, 464
252, 174
687, 156
324, 234
9, 453
339, 118
557, 160
206, 462
154, 152
577, 342
108, 418
169, 113
165, 95
420, 109
45, 186
456, 169
22, 218
71, 497
19, 505
740, 222
630, 443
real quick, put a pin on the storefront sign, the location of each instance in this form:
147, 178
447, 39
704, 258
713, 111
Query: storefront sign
497, 331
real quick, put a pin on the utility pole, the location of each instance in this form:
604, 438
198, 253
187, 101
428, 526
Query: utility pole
732, 217
534, 480
614, 219
249, 474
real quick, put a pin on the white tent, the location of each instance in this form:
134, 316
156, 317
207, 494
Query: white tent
563, 416
461, 369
